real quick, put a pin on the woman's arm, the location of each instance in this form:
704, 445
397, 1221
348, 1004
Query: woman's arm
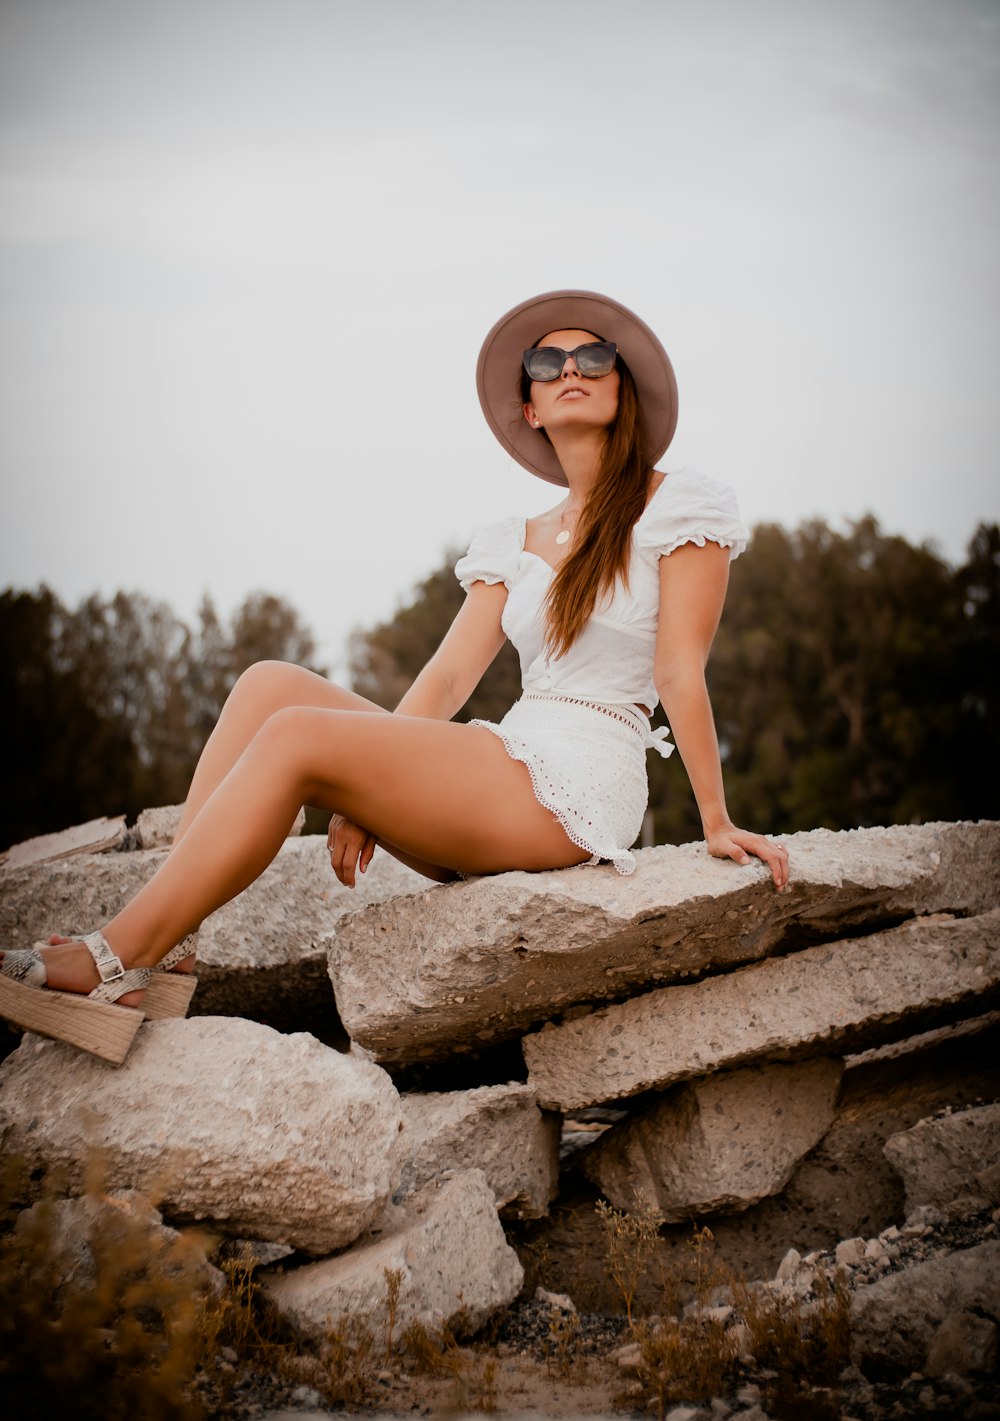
444, 685
693, 584
467, 651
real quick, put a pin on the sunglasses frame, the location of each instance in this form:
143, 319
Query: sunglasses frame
567, 355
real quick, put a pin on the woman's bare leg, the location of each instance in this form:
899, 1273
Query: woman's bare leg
261, 691
444, 793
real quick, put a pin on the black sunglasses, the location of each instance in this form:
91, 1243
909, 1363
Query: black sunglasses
593, 360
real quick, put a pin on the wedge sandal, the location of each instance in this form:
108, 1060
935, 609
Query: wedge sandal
169, 993
91, 1021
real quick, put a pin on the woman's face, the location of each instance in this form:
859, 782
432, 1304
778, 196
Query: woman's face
571, 402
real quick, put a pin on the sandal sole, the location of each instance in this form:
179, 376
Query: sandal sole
101, 1028
168, 995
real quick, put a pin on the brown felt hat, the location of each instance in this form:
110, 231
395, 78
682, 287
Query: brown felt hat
500, 363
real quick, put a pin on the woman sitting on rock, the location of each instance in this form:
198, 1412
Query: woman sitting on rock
612, 599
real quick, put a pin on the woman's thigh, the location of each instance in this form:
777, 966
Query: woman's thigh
445, 793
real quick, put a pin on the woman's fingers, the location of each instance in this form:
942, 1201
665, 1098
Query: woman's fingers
739, 845
351, 848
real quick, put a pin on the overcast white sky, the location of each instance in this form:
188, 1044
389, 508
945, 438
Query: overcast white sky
249, 250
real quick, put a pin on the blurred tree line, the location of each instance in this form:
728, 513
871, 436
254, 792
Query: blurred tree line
854, 680
107, 707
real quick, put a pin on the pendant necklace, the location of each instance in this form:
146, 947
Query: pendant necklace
563, 535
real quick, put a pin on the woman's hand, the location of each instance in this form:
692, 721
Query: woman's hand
728, 842
351, 849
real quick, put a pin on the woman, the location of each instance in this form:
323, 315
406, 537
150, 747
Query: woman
612, 599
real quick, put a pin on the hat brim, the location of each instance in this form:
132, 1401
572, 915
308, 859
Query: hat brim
498, 370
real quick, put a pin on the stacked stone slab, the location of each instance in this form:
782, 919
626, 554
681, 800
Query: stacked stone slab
695, 971
716, 1011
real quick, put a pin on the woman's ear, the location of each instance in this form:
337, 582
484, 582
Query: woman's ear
531, 416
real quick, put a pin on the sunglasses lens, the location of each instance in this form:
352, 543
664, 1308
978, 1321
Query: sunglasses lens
545, 363
595, 360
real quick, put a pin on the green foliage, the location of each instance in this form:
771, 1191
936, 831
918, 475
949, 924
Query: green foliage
108, 707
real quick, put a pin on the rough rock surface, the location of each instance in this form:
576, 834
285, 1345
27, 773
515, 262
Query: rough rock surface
720, 1144
155, 828
261, 956
954, 1155
894, 1321
963, 1345
484, 960
268, 1136
456, 1266
95, 837
838, 997
498, 1129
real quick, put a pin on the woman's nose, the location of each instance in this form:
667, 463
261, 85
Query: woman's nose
569, 367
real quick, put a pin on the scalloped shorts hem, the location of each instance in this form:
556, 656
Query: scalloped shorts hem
586, 768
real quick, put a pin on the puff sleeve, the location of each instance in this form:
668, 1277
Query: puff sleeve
493, 554
691, 508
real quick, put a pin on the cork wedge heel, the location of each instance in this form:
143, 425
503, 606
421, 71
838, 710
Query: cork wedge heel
91, 1021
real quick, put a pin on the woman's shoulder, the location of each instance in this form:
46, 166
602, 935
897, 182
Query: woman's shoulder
493, 553
691, 507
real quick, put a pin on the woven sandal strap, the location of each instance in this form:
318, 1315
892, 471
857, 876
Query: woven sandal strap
136, 979
187, 947
107, 963
26, 965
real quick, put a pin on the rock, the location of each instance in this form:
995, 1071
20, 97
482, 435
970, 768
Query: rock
953, 1155
486, 959
789, 1266
720, 1144
963, 1345
498, 1129
457, 1268
128, 1234
823, 999
155, 828
849, 1252
894, 1321
97, 836
268, 1136
261, 956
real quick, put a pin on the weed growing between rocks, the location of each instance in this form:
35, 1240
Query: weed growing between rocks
102, 1310
696, 1354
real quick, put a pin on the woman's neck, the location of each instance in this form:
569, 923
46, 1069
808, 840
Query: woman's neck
579, 453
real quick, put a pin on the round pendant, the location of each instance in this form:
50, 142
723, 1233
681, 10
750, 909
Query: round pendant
562, 537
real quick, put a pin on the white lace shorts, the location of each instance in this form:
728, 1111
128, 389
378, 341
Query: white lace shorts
587, 764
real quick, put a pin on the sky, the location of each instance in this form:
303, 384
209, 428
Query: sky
249, 250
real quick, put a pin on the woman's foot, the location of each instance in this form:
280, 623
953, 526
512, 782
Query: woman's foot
78, 991
172, 984
70, 967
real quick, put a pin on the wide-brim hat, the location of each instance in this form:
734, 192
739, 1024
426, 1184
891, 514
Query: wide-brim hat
497, 372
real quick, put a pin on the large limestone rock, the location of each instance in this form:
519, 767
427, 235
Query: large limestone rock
835, 998
950, 1157
498, 1129
267, 1136
895, 1321
484, 960
720, 1144
457, 1268
261, 956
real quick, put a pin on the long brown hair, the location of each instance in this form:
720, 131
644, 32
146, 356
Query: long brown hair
600, 554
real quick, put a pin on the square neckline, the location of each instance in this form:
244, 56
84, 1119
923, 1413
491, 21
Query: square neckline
527, 553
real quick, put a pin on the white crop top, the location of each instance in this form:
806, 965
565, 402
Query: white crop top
611, 660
